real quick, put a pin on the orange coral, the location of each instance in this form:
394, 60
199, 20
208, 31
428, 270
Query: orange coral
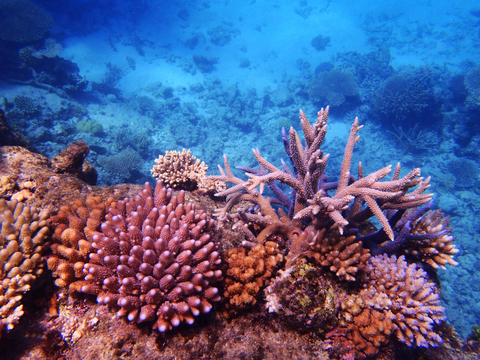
248, 271
397, 300
343, 255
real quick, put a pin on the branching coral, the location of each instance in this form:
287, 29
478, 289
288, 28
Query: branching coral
154, 260
311, 202
398, 301
247, 272
403, 95
22, 236
184, 171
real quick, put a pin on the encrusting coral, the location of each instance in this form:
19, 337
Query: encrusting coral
154, 260
182, 170
247, 271
22, 236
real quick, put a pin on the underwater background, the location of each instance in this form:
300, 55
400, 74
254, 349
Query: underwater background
136, 79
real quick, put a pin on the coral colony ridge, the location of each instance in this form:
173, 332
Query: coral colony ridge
122, 238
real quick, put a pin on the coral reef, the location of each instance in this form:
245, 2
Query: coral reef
398, 300
332, 87
72, 161
404, 96
465, 172
122, 165
154, 260
472, 84
182, 170
431, 241
22, 236
305, 297
22, 21
247, 272
343, 255
74, 229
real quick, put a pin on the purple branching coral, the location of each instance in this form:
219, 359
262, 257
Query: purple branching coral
154, 260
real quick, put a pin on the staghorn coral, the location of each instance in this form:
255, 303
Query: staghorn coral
182, 170
26, 105
332, 87
311, 203
22, 21
22, 236
154, 260
247, 272
397, 301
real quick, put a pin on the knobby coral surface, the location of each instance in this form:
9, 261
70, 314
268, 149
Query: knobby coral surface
398, 301
22, 236
154, 260
247, 272
182, 170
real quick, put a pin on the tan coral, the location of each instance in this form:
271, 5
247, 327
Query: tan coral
436, 251
398, 300
247, 272
182, 170
342, 255
22, 236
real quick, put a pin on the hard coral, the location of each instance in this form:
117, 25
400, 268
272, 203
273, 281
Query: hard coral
22, 21
73, 235
434, 244
182, 170
404, 95
305, 297
71, 161
247, 272
22, 235
343, 255
154, 260
332, 87
397, 300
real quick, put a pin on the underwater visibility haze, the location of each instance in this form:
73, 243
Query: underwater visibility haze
137, 222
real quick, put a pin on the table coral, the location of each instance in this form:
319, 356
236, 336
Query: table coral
22, 236
154, 260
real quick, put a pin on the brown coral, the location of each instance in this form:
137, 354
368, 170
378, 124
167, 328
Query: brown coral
74, 228
22, 236
436, 248
343, 255
398, 301
247, 272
